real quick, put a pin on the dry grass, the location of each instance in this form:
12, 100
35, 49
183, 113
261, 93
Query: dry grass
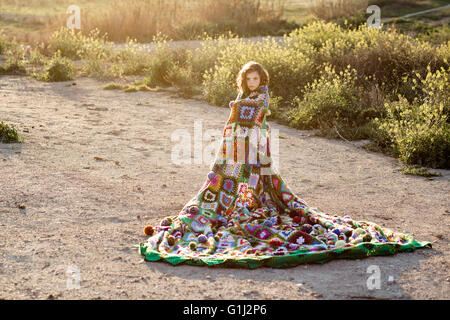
332, 9
143, 19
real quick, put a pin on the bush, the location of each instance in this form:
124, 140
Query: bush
58, 69
420, 131
425, 32
13, 67
74, 45
68, 42
289, 70
180, 76
315, 35
130, 60
384, 55
8, 134
333, 100
113, 86
15, 60
158, 69
381, 58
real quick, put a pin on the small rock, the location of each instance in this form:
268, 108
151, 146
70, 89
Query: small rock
249, 292
50, 297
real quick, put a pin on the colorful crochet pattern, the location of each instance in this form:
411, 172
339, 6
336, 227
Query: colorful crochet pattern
245, 215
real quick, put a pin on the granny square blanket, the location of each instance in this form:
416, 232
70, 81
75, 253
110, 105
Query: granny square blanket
245, 215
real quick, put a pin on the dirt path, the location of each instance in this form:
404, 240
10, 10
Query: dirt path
96, 168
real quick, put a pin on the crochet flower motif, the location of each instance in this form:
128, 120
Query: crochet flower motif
300, 240
247, 112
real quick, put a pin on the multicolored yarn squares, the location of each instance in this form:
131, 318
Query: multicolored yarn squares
243, 216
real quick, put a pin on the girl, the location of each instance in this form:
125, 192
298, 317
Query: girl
246, 215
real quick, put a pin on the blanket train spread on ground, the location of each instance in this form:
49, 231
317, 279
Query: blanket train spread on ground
245, 215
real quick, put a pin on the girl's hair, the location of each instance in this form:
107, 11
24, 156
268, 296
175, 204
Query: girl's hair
241, 79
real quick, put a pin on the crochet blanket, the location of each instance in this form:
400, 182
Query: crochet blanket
245, 214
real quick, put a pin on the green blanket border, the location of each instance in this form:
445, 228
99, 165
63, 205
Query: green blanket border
362, 250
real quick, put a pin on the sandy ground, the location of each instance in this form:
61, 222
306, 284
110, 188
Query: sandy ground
96, 167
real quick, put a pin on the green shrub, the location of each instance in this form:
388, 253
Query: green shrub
58, 69
158, 69
384, 55
130, 88
180, 77
9, 134
93, 67
75, 45
417, 171
130, 60
68, 42
113, 86
13, 67
333, 100
315, 34
289, 70
36, 58
419, 132
15, 60
206, 57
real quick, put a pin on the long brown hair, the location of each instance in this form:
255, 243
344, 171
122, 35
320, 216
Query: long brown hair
251, 66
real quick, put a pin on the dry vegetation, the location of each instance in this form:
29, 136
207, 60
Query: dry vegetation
143, 19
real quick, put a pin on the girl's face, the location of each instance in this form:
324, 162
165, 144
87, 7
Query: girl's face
253, 80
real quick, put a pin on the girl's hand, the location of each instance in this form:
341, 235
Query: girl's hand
232, 102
